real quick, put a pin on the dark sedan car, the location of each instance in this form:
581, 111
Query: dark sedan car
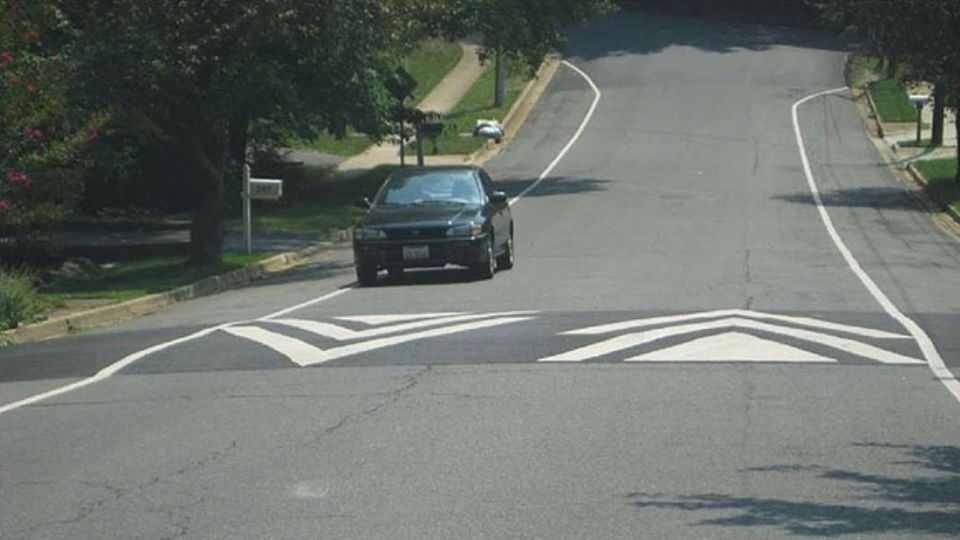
432, 217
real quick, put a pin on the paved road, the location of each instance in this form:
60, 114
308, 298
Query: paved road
681, 351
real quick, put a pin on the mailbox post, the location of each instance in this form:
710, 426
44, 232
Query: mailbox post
919, 100
269, 189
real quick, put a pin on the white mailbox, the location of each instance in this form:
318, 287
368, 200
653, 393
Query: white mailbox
919, 100
269, 189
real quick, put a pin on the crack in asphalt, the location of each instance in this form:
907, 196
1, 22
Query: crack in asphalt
179, 519
412, 380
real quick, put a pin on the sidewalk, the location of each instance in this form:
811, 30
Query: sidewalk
442, 99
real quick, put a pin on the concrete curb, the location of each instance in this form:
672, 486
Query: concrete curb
517, 115
145, 305
921, 181
881, 129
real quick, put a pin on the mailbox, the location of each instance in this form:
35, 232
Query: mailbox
266, 188
491, 129
919, 100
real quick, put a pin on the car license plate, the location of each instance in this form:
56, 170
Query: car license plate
413, 253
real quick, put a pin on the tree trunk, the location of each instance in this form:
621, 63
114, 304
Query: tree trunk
939, 96
500, 85
956, 122
237, 142
208, 162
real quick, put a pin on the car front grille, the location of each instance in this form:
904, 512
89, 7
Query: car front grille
416, 233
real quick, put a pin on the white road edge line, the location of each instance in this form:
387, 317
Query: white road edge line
573, 140
109, 370
934, 360
133, 357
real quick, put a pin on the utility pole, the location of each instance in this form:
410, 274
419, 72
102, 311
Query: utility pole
500, 85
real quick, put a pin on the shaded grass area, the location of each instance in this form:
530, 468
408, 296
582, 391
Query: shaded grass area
892, 102
888, 93
476, 104
138, 277
924, 143
428, 62
325, 205
941, 180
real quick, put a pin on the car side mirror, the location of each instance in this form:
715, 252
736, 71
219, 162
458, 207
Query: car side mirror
364, 203
498, 197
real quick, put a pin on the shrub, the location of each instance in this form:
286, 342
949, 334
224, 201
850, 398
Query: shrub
19, 301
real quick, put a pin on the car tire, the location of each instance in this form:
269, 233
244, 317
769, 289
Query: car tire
505, 260
367, 275
487, 268
395, 272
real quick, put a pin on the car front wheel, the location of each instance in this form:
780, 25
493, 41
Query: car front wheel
367, 275
505, 260
487, 268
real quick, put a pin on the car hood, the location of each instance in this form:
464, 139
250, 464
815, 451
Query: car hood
419, 216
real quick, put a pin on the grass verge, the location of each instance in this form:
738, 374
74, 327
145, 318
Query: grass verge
428, 62
892, 102
477, 103
941, 180
888, 93
326, 206
139, 277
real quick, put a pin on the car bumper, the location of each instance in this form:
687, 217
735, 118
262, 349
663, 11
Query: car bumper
390, 254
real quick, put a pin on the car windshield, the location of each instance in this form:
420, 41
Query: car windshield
438, 187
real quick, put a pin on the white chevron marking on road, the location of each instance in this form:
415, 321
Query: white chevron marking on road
299, 352
305, 354
341, 333
801, 321
376, 320
732, 347
366, 346
627, 341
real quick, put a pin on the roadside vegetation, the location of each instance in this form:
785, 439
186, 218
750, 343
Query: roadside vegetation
428, 63
19, 302
892, 102
124, 280
941, 185
477, 103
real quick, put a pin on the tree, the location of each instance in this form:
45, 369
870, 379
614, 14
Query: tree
925, 35
204, 72
41, 136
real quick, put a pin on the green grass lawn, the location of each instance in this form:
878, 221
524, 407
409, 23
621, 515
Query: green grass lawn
889, 95
892, 101
138, 277
429, 62
912, 143
941, 180
476, 104
325, 207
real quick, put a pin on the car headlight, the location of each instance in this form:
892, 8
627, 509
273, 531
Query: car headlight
368, 233
471, 229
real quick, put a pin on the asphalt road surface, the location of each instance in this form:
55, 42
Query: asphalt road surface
682, 351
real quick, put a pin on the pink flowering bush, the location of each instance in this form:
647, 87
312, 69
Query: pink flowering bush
41, 140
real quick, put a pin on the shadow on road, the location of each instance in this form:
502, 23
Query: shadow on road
635, 32
922, 504
551, 186
883, 198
